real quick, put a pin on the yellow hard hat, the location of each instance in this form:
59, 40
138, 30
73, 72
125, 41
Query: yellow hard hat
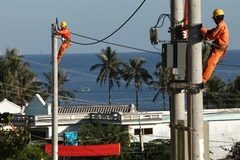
218, 12
63, 24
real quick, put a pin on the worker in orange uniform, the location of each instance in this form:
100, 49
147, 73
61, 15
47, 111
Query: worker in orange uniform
66, 39
220, 36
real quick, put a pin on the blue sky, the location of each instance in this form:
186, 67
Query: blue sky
25, 24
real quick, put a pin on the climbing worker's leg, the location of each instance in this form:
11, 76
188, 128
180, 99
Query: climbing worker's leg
212, 61
62, 50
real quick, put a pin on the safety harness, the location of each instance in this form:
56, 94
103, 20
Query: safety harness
214, 46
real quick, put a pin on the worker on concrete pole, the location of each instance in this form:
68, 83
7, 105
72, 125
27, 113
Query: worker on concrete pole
66, 39
220, 36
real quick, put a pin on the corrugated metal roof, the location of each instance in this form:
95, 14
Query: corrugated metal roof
97, 109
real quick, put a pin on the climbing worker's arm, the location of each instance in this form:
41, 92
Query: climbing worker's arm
64, 31
214, 33
204, 30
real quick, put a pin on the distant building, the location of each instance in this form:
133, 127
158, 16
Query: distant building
7, 106
224, 124
38, 106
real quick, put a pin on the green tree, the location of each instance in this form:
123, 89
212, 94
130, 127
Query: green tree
232, 93
235, 150
158, 149
214, 97
62, 79
97, 133
163, 76
17, 82
109, 69
15, 143
135, 72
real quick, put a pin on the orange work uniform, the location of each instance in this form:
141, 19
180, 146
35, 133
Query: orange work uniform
66, 37
220, 36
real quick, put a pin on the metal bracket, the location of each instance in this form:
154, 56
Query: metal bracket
196, 31
181, 127
188, 87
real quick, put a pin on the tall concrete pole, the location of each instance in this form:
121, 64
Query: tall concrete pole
177, 97
195, 78
55, 95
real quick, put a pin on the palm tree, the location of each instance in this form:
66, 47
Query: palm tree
232, 93
109, 69
214, 97
135, 71
28, 86
62, 79
163, 76
18, 82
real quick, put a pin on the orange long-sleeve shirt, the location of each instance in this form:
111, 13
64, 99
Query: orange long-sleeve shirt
65, 33
220, 34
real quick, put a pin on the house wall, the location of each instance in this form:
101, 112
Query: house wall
63, 129
224, 129
160, 131
223, 133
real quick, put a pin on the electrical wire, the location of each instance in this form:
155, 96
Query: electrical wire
39, 92
71, 71
230, 65
77, 72
115, 30
115, 44
159, 19
83, 74
170, 17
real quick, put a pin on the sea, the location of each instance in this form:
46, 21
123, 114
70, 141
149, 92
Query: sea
77, 66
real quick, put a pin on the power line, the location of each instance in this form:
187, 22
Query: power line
115, 30
76, 72
115, 44
49, 94
230, 65
80, 73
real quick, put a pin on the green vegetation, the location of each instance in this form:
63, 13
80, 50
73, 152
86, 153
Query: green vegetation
97, 133
109, 69
221, 95
18, 83
134, 71
15, 144
163, 76
62, 93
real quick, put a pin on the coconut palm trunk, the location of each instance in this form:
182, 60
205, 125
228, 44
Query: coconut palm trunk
109, 70
109, 91
135, 72
136, 90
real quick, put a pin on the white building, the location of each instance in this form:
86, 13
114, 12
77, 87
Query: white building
224, 124
7, 106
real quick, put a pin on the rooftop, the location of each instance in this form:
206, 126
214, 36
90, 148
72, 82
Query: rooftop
97, 109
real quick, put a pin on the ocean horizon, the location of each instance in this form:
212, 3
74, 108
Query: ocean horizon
78, 66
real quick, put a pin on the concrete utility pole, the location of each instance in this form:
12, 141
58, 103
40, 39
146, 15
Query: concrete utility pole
55, 95
195, 78
177, 96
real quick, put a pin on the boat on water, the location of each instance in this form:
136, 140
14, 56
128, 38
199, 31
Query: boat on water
83, 89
